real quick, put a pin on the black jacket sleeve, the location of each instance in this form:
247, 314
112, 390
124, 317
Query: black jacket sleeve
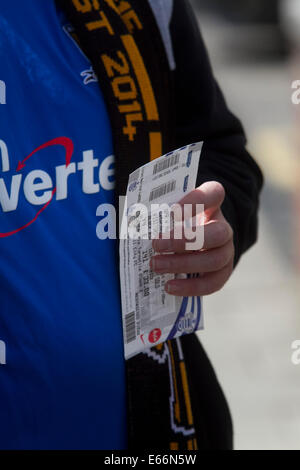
202, 114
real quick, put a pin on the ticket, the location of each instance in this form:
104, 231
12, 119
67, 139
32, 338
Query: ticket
150, 315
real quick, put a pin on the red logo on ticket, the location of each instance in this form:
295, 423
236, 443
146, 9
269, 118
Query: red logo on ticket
154, 335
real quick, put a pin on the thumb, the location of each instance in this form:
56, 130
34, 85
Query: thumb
211, 194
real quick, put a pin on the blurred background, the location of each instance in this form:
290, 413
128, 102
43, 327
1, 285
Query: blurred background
250, 325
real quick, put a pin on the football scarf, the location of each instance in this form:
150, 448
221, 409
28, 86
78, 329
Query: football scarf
123, 42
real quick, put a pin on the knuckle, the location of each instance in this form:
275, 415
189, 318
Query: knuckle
222, 232
229, 253
218, 259
230, 231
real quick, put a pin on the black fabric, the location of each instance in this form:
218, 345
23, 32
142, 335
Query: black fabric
202, 114
192, 108
213, 422
151, 404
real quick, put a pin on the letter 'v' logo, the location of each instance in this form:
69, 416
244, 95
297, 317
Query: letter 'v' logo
2, 92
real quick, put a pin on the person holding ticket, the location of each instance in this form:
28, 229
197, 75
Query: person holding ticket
215, 260
102, 100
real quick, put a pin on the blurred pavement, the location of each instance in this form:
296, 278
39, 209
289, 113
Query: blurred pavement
251, 323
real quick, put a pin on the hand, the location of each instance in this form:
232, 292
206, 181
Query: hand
214, 262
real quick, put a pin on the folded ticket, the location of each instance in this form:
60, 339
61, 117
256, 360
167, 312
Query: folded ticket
151, 316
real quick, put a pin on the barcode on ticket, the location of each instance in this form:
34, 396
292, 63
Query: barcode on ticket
166, 163
162, 190
130, 330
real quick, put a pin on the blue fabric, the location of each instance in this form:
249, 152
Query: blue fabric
63, 384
